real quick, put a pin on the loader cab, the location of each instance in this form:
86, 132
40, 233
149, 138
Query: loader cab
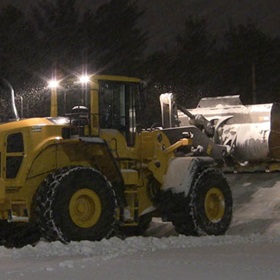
119, 107
104, 102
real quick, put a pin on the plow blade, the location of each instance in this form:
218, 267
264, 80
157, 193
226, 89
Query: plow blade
251, 132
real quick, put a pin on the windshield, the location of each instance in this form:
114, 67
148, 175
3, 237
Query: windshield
70, 98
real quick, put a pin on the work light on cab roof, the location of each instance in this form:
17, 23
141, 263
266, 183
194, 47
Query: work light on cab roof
53, 84
84, 79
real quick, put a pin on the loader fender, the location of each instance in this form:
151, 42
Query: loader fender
108, 166
182, 171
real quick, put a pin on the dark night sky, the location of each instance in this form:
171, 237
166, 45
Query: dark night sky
165, 18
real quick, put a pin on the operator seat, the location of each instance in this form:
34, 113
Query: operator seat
79, 118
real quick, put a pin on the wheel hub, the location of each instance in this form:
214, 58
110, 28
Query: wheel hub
85, 208
214, 205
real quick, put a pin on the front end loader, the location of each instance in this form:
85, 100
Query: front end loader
90, 170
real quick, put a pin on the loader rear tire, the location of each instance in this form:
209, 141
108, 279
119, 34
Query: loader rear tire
211, 203
75, 204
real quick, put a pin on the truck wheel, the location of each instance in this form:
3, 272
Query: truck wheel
211, 203
75, 204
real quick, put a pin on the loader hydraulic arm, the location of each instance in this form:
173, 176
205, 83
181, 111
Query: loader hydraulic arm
169, 114
198, 120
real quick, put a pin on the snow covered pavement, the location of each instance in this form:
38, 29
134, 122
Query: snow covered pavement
249, 251
175, 257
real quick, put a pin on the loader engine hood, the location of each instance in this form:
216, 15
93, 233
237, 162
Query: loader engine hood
252, 132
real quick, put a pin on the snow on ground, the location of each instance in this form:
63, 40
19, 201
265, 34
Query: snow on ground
252, 257
250, 250
228, 257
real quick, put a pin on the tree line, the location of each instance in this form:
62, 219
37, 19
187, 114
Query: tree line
56, 36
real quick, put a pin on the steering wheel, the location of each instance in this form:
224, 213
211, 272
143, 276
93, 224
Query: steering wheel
155, 126
140, 127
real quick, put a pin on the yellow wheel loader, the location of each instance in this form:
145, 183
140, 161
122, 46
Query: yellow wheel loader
91, 170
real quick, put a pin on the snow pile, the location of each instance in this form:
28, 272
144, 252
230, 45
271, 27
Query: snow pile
114, 247
174, 257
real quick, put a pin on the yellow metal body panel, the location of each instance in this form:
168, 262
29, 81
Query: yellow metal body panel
94, 79
53, 111
130, 176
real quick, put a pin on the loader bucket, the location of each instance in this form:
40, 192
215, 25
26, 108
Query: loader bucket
251, 132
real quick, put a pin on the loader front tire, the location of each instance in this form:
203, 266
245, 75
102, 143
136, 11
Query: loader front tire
75, 204
211, 203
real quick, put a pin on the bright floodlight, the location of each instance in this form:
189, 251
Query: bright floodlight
53, 84
84, 79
